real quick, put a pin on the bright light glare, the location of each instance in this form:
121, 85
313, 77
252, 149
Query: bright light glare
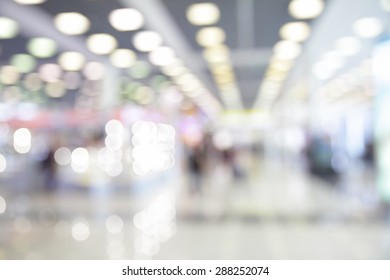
123, 58
71, 61
305, 9
295, 31
22, 140
114, 127
80, 231
223, 139
162, 56
126, 19
153, 147
72, 23
9, 28
62, 156
146, 41
101, 43
210, 36
42, 47
203, 14
287, 50
368, 27
80, 160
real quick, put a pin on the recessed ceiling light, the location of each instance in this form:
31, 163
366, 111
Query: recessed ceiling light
210, 36
216, 54
23, 62
50, 72
9, 75
295, 31
203, 14
287, 50
126, 19
101, 43
29, 2
94, 71
146, 41
305, 9
123, 58
368, 27
55, 89
9, 28
71, 23
162, 56
348, 45
42, 47
71, 61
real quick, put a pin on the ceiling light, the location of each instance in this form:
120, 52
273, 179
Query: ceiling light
216, 54
203, 14
210, 36
71, 23
305, 9
126, 19
9, 75
348, 45
162, 56
295, 31
50, 72
9, 28
146, 41
123, 58
29, 2
42, 47
23, 62
33, 82
94, 71
368, 27
56, 89
101, 43
287, 50
71, 61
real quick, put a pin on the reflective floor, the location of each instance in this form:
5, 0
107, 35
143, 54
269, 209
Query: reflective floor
278, 212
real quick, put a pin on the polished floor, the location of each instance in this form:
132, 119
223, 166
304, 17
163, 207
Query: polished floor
278, 211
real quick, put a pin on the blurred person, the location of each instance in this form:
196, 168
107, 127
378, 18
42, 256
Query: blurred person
49, 170
196, 165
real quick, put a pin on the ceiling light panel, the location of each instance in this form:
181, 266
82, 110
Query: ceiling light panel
9, 28
306, 9
210, 36
126, 19
203, 14
295, 31
72, 23
101, 43
146, 41
42, 47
